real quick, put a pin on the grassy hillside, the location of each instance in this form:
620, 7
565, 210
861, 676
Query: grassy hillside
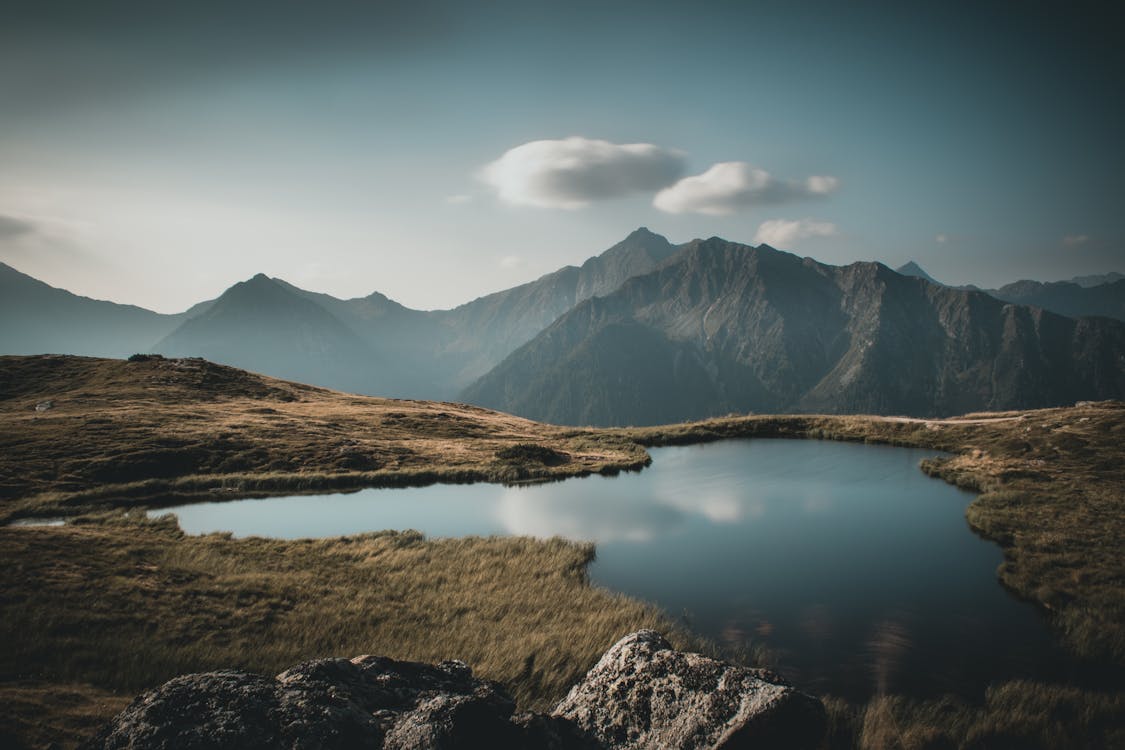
96, 610
157, 430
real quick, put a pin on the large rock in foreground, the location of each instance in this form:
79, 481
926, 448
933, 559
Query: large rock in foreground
367, 702
642, 694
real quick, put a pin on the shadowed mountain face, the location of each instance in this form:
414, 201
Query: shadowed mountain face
1097, 279
376, 346
727, 327
1080, 297
484, 331
915, 270
1068, 298
39, 319
645, 332
264, 326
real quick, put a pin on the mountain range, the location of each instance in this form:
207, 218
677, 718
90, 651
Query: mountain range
1081, 296
645, 332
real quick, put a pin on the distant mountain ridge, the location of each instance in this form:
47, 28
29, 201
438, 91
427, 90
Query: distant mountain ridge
40, 319
369, 344
730, 327
761, 330
1082, 296
913, 269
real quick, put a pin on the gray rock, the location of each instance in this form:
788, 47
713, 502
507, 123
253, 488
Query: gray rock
640, 695
643, 694
367, 702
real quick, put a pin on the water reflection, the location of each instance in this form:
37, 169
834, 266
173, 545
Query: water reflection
604, 515
886, 650
854, 571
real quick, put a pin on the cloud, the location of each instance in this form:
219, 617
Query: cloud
458, 199
784, 232
572, 172
733, 185
941, 239
1074, 240
10, 227
511, 261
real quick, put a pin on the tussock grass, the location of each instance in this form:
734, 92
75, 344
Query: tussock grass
123, 603
1018, 714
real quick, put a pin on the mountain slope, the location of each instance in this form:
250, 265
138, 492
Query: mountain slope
915, 270
1097, 279
1068, 298
370, 344
38, 318
727, 327
484, 331
264, 326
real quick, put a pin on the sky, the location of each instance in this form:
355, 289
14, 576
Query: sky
157, 153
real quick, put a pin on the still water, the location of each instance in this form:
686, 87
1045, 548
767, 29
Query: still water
852, 568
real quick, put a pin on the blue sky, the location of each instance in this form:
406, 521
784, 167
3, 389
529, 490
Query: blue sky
157, 153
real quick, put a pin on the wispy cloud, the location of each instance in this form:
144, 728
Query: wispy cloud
572, 172
458, 199
941, 239
730, 186
784, 232
11, 226
511, 261
1074, 240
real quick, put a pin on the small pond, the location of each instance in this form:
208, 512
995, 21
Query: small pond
854, 569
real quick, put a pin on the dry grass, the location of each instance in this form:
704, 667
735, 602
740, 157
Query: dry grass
111, 603
160, 431
1023, 715
125, 603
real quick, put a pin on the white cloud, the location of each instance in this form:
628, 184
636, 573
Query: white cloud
732, 185
784, 232
457, 199
511, 261
572, 172
1074, 240
941, 239
822, 184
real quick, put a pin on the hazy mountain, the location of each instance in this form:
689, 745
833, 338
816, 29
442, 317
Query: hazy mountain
728, 327
264, 326
915, 270
1081, 296
1068, 298
487, 329
375, 345
646, 331
40, 319
1098, 279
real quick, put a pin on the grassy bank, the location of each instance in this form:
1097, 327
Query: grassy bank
124, 603
80, 434
92, 612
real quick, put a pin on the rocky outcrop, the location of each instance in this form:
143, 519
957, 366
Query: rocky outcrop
641, 694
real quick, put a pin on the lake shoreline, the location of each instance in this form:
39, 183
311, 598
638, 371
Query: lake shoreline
1051, 488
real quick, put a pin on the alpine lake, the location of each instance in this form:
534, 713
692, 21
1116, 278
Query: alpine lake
841, 565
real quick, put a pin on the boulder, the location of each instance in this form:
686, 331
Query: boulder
366, 702
643, 694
